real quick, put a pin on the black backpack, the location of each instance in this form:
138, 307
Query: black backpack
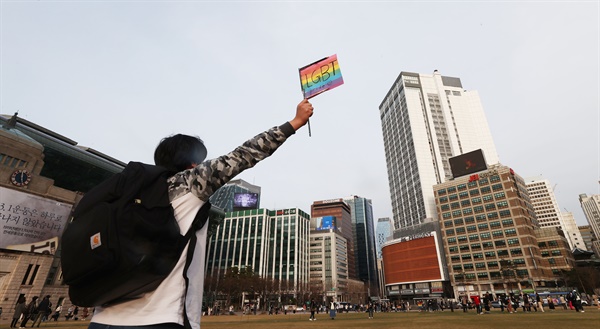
123, 239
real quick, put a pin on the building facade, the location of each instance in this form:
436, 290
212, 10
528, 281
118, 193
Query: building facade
42, 176
383, 232
546, 208
274, 243
341, 211
364, 242
413, 265
591, 210
492, 240
588, 237
571, 228
329, 264
425, 120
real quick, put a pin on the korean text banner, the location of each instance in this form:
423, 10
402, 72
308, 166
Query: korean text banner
320, 76
31, 223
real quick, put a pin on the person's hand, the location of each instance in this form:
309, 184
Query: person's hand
304, 110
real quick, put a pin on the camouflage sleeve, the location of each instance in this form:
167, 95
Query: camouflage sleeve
207, 177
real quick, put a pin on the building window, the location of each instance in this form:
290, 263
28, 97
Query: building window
492, 264
495, 225
510, 232
500, 195
500, 243
490, 206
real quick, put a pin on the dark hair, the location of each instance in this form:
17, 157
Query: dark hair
179, 152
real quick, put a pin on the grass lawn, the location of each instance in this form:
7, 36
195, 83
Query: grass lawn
437, 320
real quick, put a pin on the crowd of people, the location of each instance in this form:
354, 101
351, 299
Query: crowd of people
38, 311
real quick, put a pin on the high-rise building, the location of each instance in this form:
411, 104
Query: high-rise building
573, 231
340, 210
588, 237
547, 211
491, 239
383, 230
274, 243
426, 119
591, 210
223, 198
328, 259
364, 241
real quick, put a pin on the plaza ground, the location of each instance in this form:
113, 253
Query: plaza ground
416, 320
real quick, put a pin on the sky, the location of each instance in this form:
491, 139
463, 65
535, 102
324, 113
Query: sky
117, 76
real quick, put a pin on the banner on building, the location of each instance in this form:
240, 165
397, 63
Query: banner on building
31, 223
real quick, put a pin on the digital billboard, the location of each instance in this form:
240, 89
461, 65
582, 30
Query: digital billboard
467, 163
324, 223
243, 201
31, 223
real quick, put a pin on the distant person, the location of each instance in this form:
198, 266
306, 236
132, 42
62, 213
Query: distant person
313, 309
539, 302
576, 299
192, 183
42, 311
19, 310
57, 313
332, 311
30, 311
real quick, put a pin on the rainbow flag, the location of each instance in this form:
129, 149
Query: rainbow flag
320, 76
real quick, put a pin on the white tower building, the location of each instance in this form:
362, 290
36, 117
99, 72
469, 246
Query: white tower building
426, 119
547, 211
573, 230
591, 210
